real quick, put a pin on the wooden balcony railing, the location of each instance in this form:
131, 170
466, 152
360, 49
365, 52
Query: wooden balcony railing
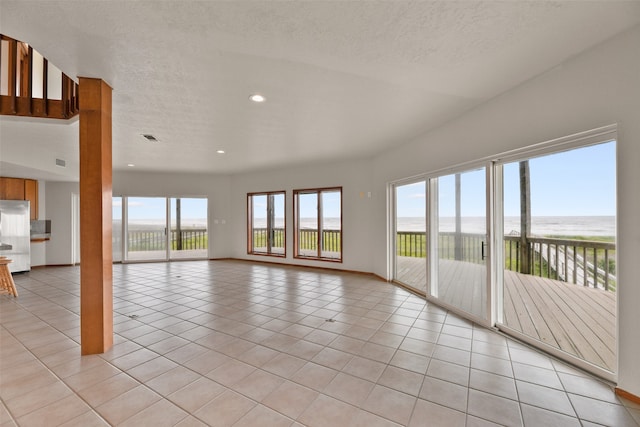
31, 86
307, 239
156, 240
581, 262
260, 236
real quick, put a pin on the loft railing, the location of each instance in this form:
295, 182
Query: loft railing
31, 86
581, 262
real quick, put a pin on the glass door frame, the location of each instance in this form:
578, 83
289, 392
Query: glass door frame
432, 240
572, 142
125, 229
495, 232
393, 227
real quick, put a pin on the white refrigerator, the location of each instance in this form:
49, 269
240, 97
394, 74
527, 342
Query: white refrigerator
15, 234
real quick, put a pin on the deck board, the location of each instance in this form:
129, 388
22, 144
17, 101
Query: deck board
578, 320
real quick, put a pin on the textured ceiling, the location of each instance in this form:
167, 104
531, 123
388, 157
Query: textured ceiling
342, 79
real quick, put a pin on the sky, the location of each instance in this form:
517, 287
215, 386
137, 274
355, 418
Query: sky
155, 208
580, 182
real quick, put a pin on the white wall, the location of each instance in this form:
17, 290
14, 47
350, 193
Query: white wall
58, 210
596, 88
355, 179
214, 187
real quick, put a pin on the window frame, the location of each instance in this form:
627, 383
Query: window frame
269, 226
296, 217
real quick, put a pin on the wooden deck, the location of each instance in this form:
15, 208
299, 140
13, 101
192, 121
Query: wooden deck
575, 319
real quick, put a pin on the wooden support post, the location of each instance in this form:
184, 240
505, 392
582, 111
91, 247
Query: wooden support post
96, 274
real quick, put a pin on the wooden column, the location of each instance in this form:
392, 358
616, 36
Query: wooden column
96, 274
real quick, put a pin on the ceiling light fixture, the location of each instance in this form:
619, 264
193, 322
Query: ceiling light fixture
220, 151
256, 97
130, 165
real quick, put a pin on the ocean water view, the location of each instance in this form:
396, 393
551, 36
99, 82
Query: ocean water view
540, 225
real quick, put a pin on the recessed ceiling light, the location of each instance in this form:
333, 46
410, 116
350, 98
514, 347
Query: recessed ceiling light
256, 97
130, 165
220, 151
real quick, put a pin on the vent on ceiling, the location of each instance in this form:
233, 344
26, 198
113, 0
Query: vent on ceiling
62, 163
149, 137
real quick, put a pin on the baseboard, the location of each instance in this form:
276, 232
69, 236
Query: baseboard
286, 264
626, 395
52, 265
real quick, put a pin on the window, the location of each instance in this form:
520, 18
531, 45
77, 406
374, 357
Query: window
266, 223
318, 224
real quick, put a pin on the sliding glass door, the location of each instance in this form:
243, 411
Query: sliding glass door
411, 235
146, 228
189, 237
459, 221
159, 228
559, 279
526, 243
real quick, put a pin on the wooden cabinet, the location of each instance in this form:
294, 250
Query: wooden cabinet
12, 189
31, 194
20, 189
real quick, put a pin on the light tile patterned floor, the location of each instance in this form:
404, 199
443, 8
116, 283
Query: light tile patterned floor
231, 343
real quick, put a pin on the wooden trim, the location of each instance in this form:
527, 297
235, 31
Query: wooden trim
65, 96
12, 58
626, 395
52, 266
29, 73
45, 108
250, 222
296, 218
45, 86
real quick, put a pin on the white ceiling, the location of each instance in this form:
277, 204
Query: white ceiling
342, 79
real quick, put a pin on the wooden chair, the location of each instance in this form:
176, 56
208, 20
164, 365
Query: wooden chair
6, 280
